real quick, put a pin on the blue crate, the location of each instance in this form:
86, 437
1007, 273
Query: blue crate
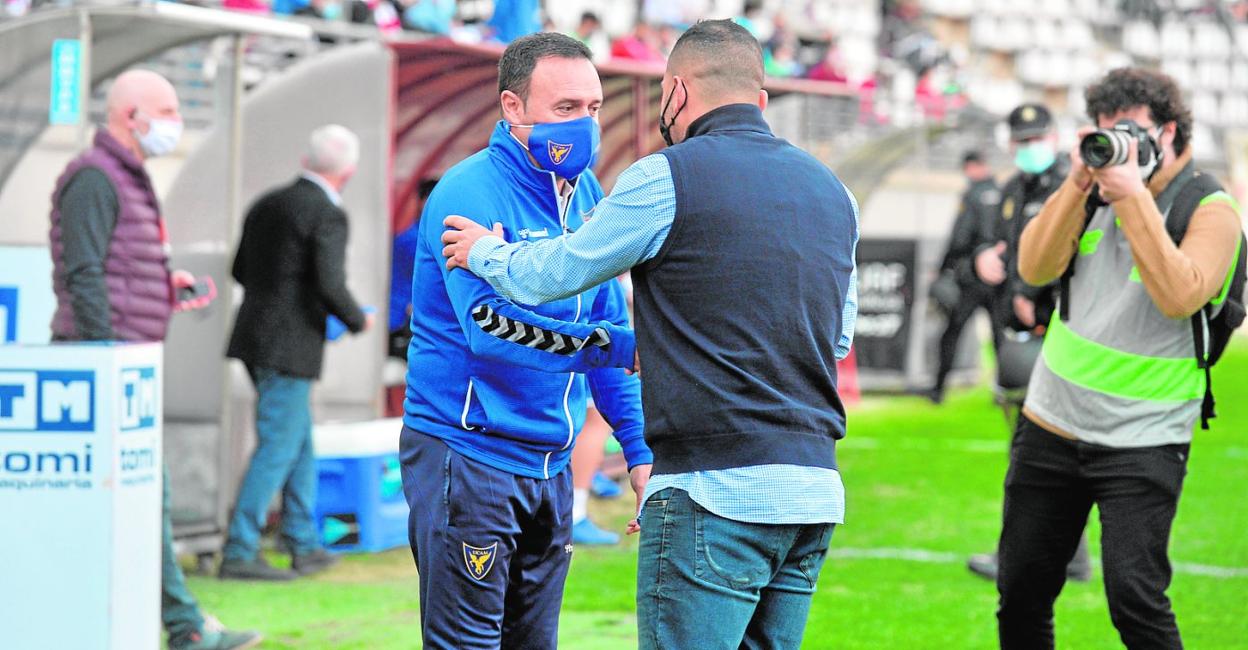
360, 504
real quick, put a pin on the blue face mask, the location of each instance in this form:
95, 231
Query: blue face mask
565, 148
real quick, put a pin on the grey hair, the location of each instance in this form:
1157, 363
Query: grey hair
332, 149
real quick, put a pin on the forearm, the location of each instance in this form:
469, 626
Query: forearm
618, 397
1180, 279
535, 273
1049, 241
89, 296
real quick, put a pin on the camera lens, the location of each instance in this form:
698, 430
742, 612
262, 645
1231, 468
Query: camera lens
1100, 149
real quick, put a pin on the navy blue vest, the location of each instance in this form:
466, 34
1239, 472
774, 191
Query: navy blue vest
739, 314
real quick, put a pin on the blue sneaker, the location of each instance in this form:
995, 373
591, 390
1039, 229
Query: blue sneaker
604, 488
585, 532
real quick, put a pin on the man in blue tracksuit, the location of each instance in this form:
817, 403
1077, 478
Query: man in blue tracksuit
742, 255
495, 390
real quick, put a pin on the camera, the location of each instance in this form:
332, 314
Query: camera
1108, 147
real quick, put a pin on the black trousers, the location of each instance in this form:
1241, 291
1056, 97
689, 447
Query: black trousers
1049, 490
973, 297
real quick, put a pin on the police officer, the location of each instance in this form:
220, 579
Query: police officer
975, 223
1041, 169
1022, 309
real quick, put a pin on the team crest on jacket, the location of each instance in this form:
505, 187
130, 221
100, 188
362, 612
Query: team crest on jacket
479, 560
558, 152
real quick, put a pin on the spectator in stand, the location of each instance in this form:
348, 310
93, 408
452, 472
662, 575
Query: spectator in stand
430, 16
831, 67
643, 44
782, 61
751, 17
590, 32
515, 18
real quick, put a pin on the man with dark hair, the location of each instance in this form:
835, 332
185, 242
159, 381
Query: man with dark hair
975, 220
1114, 397
496, 393
742, 255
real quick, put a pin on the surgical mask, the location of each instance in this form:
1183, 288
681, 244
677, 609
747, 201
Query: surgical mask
331, 11
1035, 158
161, 138
565, 148
665, 128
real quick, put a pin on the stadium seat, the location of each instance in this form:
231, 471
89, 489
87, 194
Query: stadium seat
1015, 35
984, 30
1234, 110
1077, 34
1239, 75
1176, 40
1205, 108
1140, 39
1212, 75
1211, 41
1046, 35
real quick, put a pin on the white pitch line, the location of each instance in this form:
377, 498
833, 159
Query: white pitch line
944, 557
969, 445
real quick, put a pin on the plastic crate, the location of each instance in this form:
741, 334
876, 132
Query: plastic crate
360, 505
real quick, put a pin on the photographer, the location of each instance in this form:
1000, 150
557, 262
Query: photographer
1113, 400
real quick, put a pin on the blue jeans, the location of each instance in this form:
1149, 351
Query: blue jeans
492, 549
179, 612
283, 460
712, 583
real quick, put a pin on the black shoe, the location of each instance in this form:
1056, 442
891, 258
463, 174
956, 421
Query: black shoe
311, 563
983, 565
257, 569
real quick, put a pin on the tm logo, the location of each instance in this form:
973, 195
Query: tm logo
139, 399
8, 314
47, 400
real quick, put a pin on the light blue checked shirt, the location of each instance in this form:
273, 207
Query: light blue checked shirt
629, 227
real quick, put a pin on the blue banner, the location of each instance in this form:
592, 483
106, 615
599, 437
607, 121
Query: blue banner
66, 104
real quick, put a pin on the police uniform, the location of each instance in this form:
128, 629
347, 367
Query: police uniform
1022, 198
975, 223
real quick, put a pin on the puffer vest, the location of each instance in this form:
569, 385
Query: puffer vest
136, 267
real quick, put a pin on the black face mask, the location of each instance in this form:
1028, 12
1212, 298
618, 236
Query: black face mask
665, 128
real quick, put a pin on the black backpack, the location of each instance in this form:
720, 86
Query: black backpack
1220, 326
1224, 323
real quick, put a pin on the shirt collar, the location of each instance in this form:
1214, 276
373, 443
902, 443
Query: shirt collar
330, 192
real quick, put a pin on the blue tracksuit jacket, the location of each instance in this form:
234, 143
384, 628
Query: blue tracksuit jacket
501, 383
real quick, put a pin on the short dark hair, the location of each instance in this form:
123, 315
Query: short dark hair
972, 156
515, 68
720, 53
1127, 88
590, 16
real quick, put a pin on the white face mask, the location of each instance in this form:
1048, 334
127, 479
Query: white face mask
161, 138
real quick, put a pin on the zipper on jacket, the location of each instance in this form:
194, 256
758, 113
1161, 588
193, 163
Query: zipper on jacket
463, 418
567, 391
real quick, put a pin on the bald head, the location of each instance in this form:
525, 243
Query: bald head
135, 99
143, 90
721, 60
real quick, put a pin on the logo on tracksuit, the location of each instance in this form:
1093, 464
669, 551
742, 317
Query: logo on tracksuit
479, 560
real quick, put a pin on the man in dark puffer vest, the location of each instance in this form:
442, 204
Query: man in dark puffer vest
112, 280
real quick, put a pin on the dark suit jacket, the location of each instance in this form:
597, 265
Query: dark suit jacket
290, 262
